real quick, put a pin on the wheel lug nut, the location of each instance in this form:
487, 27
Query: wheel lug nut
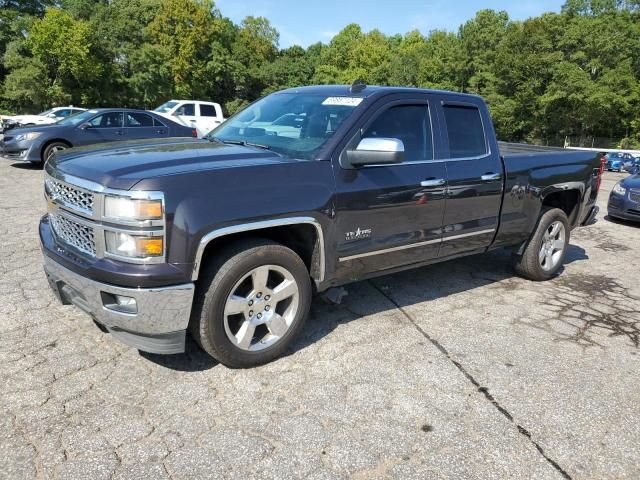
250, 302
251, 313
259, 315
267, 308
259, 295
267, 297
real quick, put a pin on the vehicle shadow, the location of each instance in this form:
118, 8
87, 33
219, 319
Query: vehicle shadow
462, 274
620, 221
27, 165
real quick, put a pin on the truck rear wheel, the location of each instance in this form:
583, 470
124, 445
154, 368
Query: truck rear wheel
251, 302
545, 253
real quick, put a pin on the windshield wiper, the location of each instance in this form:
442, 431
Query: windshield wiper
244, 143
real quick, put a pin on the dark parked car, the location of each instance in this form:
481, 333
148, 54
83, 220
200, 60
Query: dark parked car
230, 237
624, 199
37, 144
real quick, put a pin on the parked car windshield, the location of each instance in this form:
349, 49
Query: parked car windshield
292, 124
78, 118
46, 112
166, 107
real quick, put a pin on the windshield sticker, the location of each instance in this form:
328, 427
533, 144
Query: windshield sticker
343, 101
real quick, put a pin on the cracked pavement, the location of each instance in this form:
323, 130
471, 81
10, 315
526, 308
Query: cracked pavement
458, 370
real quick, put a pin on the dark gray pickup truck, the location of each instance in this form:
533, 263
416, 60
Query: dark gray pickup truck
304, 190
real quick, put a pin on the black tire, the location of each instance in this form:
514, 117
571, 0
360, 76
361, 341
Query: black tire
528, 265
217, 282
52, 148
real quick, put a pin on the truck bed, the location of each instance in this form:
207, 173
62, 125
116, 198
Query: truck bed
507, 148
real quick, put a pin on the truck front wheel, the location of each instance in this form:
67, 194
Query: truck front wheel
251, 302
544, 255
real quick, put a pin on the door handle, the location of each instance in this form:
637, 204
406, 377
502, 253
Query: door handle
489, 177
436, 182
433, 182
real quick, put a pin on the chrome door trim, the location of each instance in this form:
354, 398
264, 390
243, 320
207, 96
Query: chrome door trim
247, 227
414, 245
470, 234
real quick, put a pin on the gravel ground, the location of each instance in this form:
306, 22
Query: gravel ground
459, 370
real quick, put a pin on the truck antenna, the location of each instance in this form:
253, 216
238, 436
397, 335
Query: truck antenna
357, 86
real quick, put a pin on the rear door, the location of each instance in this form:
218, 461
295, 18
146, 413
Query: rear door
474, 172
209, 118
391, 215
141, 125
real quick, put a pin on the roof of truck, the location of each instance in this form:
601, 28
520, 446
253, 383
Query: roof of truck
369, 90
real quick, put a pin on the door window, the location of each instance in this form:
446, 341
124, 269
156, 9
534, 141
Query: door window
208, 110
139, 120
188, 110
107, 120
465, 131
409, 123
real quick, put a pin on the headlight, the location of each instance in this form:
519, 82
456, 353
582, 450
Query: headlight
125, 208
27, 136
133, 246
619, 189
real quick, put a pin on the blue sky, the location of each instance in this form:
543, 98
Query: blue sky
304, 23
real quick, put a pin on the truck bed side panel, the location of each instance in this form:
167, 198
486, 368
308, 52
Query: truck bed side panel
532, 177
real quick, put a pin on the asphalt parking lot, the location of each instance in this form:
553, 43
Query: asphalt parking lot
459, 370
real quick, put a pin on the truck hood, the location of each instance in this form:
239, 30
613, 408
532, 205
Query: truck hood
36, 119
123, 164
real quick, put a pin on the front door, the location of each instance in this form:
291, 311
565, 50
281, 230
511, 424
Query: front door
391, 215
106, 127
474, 173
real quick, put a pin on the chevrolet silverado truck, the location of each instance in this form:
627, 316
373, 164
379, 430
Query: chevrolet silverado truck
229, 237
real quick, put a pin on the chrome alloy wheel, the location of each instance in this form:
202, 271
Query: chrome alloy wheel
261, 308
55, 149
553, 244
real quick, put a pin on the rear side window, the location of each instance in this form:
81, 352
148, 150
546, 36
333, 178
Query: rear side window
158, 123
208, 111
409, 123
139, 120
465, 130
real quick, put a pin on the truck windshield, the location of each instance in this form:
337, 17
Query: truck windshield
292, 124
166, 107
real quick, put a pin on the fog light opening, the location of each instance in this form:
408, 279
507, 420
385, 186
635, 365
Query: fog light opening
119, 303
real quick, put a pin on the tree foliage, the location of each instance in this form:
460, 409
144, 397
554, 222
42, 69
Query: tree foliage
576, 72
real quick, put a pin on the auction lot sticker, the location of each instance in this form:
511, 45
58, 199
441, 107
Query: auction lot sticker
343, 101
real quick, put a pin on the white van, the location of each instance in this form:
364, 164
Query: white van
203, 116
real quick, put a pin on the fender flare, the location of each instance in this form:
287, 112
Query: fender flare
261, 225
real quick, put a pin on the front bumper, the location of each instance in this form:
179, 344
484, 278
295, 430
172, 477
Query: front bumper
621, 206
162, 315
24, 151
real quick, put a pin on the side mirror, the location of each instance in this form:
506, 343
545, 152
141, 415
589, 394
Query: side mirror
376, 151
85, 126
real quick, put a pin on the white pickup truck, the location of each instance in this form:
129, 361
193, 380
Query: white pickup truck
203, 116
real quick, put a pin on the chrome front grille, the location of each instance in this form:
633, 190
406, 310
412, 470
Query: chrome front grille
81, 237
634, 195
70, 196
